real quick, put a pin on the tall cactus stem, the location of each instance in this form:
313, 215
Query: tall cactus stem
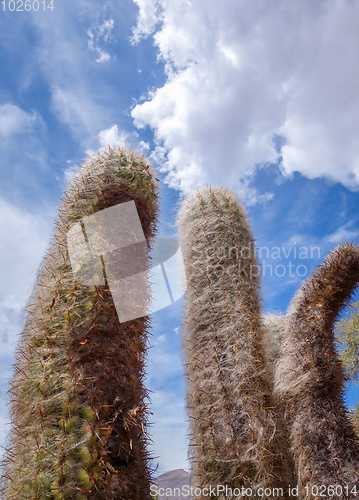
78, 403
309, 380
232, 419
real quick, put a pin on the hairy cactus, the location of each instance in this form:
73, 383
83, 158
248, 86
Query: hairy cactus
78, 403
309, 380
274, 327
232, 419
265, 396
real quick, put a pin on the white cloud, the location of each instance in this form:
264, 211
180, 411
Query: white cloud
168, 430
104, 30
69, 173
148, 18
81, 96
112, 137
14, 120
109, 137
143, 146
101, 32
75, 109
160, 340
343, 234
165, 379
24, 239
103, 56
239, 73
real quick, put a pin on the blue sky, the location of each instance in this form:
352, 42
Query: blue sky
259, 97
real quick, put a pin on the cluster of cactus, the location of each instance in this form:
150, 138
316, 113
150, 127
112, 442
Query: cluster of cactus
265, 396
78, 400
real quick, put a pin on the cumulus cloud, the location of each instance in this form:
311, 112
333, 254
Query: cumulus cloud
112, 137
101, 32
240, 76
115, 137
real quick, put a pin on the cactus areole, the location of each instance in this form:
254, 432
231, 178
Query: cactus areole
78, 403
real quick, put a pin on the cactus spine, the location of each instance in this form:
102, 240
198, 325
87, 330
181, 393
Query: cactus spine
232, 423
77, 395
309, 379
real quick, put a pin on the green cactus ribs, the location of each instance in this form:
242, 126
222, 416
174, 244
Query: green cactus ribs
79, 413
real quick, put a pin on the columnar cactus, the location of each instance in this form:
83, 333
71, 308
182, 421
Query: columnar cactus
232, 419
309, 381
78, 403
274, 326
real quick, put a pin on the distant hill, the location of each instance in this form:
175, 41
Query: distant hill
173, 479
